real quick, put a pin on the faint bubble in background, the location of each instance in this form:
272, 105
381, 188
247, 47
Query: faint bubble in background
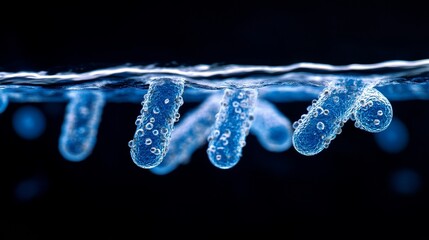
29, 122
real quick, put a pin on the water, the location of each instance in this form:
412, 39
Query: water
335, 94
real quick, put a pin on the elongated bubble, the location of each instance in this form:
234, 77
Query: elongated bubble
395, 138
4, 101
374, 112
189, 135
80, 127
156, 122
232, 125
272, 128
326, 116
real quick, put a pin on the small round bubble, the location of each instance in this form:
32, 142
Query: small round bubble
164, 130
295, 124
149, 126
140, 132
152, 149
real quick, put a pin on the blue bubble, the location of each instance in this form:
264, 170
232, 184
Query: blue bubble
4, 101
395, 138
29, 189
405, 181
374, 112
159, 113
80, 127
232, 125
29, 122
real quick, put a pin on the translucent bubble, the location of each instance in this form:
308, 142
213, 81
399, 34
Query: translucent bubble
320, 126
376, 122
149, 126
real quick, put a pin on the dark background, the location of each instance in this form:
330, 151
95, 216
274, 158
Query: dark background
302, 197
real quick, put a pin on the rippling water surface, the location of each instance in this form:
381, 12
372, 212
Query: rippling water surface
396, 79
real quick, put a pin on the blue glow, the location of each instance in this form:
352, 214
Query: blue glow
405, 181
271, 127
3, 101
29, 122
232, 125
80, 127
395, 138
154, 126
374, 112
29, 189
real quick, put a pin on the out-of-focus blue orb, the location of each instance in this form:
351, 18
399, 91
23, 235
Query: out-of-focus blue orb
29, 189
393, 139
29, 122
405, 181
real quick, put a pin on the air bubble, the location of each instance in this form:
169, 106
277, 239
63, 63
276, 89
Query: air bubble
149, 126
79, 132
140, 132
307, 137
164, 130
377, 115
320, 126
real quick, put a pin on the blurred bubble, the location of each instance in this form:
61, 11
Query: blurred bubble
405, 181
29, 122
394, 139
30, 188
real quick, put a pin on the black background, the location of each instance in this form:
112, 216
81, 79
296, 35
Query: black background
107, 195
